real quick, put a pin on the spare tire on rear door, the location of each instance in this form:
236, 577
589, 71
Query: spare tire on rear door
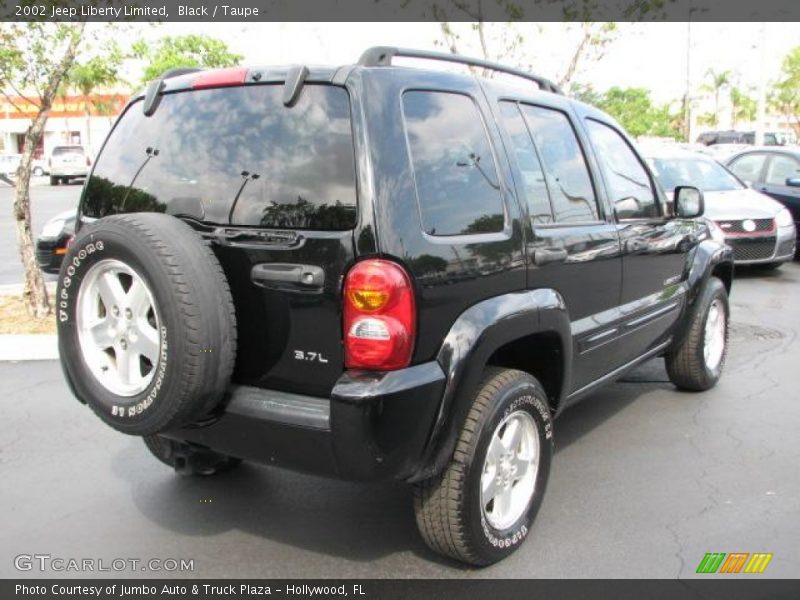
146, 326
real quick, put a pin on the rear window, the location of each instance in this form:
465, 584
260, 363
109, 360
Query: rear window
233, 156
66, 150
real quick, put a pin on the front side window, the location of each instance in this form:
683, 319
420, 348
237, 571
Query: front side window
748, 167
628, 183
567, 175
457, 183
780, 169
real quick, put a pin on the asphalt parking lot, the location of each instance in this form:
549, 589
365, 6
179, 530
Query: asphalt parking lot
645, 481
46, 202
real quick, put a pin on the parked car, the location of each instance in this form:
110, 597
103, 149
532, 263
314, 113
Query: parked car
68, 162
710, 138
772, 171
759, 229
9, 163
377, 272
52, 243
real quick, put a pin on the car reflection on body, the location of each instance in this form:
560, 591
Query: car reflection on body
759, 229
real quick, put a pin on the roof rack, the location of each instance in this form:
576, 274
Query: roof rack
381, 56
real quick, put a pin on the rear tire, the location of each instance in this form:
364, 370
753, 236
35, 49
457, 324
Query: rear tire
146, 326
480, 508
696, 363
54, 180
187, 460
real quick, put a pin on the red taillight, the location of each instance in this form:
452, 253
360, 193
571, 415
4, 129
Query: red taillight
220, 78
379, 316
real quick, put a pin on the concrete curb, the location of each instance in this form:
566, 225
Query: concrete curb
28, 347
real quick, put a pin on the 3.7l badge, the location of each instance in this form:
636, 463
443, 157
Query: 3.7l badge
310, 356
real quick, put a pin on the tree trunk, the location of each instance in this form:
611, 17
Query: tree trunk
35, 293
88, 144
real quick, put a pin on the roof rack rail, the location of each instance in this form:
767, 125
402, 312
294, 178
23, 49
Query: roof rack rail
381, 56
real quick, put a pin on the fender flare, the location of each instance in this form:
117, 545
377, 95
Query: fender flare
708, 255
475, 335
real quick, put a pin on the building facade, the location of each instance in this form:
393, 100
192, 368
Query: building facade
73, 120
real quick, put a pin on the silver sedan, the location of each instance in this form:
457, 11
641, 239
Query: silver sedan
759, 229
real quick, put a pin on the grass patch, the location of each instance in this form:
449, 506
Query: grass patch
14, 318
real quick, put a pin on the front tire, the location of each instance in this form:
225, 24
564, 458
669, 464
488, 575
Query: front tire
696, 363
481, 507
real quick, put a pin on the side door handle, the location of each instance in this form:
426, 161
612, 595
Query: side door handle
543, 256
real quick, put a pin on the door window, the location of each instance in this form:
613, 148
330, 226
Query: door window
628, 183
780, 169
568, 180
748, 167
534, 185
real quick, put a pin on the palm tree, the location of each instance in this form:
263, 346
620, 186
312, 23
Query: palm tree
743, 107
718, 80
87, 77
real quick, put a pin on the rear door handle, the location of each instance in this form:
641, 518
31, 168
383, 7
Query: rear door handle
543, 256
288, 277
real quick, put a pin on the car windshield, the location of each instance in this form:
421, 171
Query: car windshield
705, 174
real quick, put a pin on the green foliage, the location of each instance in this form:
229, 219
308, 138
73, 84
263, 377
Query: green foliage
786, 95
193, 50
743, 107
634, 109
99, 71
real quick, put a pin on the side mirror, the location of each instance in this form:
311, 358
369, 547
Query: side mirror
793, 181
688, 202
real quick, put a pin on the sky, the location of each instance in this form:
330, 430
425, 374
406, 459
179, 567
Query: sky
650, 55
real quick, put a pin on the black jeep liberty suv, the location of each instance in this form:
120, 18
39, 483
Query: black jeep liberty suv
377, 271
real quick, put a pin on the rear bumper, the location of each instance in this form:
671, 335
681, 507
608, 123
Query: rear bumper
374, 426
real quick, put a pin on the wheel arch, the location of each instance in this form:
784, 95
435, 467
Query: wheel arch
495, 332
711, 259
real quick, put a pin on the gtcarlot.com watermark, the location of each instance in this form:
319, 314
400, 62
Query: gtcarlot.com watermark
47, 563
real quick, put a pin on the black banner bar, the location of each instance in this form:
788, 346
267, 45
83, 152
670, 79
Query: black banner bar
399, 10
479, 589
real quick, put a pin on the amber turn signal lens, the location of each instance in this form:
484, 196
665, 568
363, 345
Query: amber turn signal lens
368, 300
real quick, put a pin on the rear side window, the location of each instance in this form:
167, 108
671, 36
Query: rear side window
628, 182
454, 170
568, 179
235, 156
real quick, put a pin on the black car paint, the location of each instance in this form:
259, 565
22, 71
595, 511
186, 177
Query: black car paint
620, 295
50, 251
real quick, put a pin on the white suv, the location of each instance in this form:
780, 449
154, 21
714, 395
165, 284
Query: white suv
68, 162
